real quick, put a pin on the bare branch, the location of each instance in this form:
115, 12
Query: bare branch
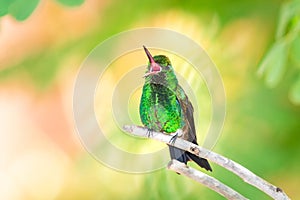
205, 179
242, 172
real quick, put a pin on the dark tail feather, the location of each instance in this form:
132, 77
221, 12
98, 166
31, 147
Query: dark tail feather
202, 162
178, 154
184, 156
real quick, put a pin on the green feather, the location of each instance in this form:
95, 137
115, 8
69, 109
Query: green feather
159, 108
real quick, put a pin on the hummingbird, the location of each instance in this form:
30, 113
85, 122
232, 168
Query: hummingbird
165, 107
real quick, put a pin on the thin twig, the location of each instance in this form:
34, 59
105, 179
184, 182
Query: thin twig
205, 179
242, 172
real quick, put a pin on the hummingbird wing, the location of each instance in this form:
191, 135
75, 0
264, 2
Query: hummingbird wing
189, 130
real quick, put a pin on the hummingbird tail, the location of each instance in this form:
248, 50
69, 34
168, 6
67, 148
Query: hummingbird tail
178, 154
184, 157
202, 162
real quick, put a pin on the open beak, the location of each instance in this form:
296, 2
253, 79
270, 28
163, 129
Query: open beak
154, 67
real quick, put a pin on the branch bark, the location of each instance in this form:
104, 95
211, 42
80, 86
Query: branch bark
248, 176
205, 179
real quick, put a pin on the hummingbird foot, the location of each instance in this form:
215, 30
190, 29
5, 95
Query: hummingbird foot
175, 135
173, 139
149, 132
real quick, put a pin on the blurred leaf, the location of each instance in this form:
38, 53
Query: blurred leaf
295, 92
21, 10
71, 2
4, 6
288, 16
284, 18
273, 63
295, 51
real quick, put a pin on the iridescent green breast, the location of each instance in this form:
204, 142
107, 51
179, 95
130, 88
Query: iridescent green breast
159, 108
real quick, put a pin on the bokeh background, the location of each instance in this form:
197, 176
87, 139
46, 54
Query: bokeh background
255, 44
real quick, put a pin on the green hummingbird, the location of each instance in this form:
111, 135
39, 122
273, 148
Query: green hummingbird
165, 107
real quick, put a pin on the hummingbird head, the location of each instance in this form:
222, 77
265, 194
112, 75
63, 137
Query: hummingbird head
160, 70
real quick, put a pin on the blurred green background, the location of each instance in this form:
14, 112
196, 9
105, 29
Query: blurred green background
255, 44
